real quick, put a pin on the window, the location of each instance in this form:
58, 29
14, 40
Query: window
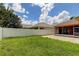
76, 29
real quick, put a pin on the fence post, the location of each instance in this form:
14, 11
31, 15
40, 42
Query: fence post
1, 33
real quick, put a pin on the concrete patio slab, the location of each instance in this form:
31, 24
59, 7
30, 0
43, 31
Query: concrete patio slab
69, 39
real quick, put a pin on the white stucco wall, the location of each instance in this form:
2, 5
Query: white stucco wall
14, 32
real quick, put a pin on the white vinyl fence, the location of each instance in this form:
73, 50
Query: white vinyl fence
0, 32
14, 32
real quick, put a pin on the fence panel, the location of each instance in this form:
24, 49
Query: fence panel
14, 32
0, 33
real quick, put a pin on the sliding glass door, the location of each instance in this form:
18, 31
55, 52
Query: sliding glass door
65, 30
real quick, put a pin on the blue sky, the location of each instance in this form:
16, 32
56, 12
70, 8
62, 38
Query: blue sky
33, 12
72, 8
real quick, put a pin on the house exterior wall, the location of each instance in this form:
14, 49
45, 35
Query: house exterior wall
71, 30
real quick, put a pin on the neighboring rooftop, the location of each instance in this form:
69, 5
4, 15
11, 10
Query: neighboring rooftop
41, 25
26, 26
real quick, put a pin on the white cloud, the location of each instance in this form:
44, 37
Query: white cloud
27, 12
24, 21
25, 16
43, 16
34, 22
61, 17
17, 7
45, 8
63, 14
38, 4
51, 20
27, 21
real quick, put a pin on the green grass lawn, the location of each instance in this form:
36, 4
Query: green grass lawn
36, 46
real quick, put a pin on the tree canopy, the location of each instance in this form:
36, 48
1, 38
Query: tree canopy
8, 18
77, 18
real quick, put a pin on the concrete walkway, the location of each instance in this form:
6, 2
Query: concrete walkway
70, 39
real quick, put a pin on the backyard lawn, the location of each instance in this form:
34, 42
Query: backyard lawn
37, 46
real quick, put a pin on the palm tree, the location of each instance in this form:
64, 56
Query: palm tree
8, 18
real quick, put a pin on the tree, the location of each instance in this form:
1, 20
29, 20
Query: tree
77, 18
8, 18
1, 6
72, 18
